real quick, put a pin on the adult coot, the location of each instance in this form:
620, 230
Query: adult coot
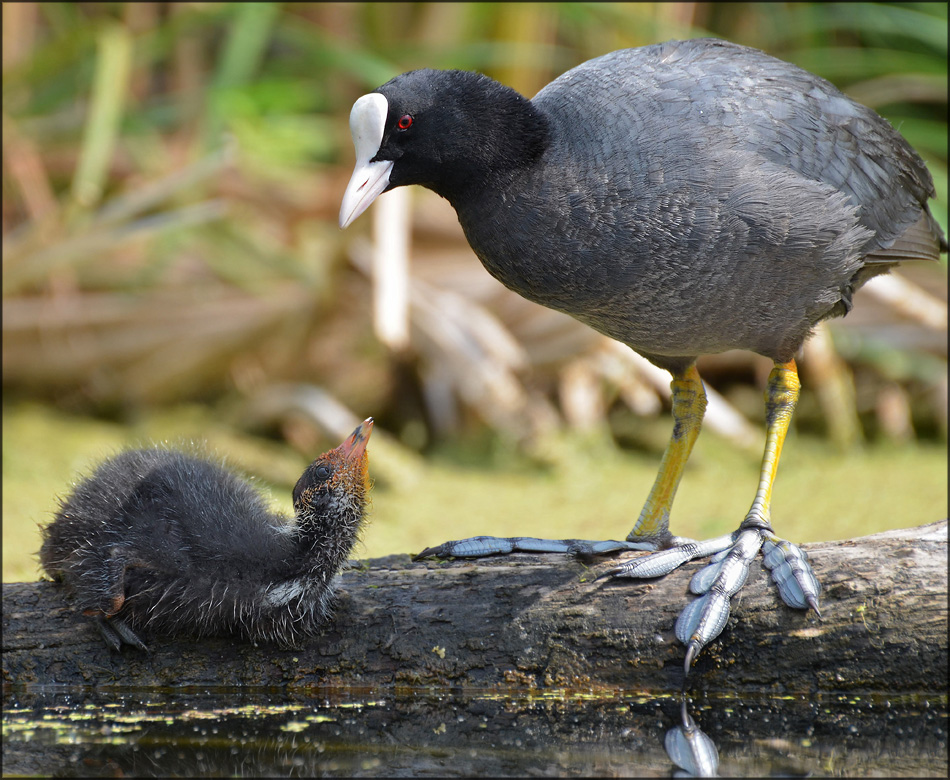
685, 198
165, 540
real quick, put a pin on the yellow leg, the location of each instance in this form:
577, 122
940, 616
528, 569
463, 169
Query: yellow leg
689, 406
703, 620
780, 399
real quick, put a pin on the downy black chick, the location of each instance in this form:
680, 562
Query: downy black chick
172, 543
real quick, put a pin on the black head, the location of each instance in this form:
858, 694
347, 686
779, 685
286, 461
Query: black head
444, 128
448, 130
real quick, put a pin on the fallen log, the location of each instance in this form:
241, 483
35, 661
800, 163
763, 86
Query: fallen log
531, 620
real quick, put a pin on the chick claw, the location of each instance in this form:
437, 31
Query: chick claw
115, 632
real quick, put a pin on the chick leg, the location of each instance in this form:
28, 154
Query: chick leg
107, 593
703, 619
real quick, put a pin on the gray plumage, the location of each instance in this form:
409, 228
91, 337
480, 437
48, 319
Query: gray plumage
683, 198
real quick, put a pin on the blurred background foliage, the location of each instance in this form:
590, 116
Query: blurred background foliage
172, 269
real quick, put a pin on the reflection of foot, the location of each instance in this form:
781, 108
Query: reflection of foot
690, 749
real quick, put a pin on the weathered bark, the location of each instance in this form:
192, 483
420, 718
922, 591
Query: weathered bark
529, 620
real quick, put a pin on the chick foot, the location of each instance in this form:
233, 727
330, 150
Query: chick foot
117, 632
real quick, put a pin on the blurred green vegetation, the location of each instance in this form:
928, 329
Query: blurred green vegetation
576, 486
172, 174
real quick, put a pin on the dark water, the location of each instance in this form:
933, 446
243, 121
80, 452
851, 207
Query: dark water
428, 732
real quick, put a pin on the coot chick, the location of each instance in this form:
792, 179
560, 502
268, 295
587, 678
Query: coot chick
169, 542
684, 198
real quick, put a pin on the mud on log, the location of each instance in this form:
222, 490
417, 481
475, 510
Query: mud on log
529, 620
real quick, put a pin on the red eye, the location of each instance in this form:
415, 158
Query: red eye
405, 122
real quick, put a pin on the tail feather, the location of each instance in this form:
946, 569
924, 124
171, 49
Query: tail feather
924, 240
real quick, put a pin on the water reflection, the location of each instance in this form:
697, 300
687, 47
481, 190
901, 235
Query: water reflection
690, 748
347, 731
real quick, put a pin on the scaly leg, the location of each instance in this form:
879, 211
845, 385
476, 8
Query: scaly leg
703, 619
689, 406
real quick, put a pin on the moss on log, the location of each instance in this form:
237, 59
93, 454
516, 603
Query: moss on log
530, 620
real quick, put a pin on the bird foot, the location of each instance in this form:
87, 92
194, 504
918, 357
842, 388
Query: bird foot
115, 632
797, 584
704, 618
678, 550
730, 558
481, 546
